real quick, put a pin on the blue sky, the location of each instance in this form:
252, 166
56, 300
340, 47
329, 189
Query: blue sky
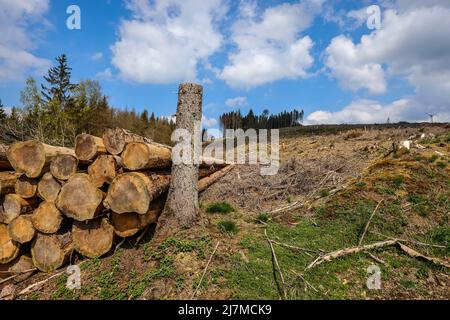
316, 55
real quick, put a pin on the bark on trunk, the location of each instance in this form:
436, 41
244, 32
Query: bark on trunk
48, 188
181, 208
104, 170
211, 179
79, 198
47, 218
14, 205
93, 238
63, 166
116, 139
8, 182
21, 229
49, 252
88, 147
9, 249
33, 157
26, 187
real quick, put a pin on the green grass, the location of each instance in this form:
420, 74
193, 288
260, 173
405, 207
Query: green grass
220, 207
262, 217
338, 224
227, 226
433, 158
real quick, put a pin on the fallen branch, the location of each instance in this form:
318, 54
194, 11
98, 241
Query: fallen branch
277, 264
343, 252
204, 271
413, 253
37, 285
368, 223
410, 241
16, 275
306, 281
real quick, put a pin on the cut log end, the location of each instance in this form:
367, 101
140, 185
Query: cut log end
140, 156
94, 238
26, 187
79, 198
14, 205
9, 249
87, 147
48, 188
103, 170
49, 252
128, 193
63, 166
47, 218
114, 140
21, 229
27, 157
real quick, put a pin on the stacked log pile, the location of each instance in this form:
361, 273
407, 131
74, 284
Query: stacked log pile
56, 200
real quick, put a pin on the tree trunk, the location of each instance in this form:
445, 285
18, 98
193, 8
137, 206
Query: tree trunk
88, 147
49, 252
26, 187
134, 191
79, 198
142, 156
48, 188
21, 229
104, 170
33, 157
116, 139
14, 205
4, 162
9, 249
47, 218
63, 166
93, 238
8, 182
181, 209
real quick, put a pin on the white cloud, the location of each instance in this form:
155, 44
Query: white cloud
208, 122
236, 102
105, 74
97, 56
165, 40
412, 44
370, 111
16, 44
269, 47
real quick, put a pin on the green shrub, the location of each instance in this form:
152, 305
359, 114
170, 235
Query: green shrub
324, 193
264, 217
433, 158
227, 226
220, 207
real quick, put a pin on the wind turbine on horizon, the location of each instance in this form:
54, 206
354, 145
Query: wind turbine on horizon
431, 115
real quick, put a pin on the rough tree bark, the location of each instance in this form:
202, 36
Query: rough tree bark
181, 208
141, 156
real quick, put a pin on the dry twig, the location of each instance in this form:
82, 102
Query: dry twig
204, 271
368, 222
277, 264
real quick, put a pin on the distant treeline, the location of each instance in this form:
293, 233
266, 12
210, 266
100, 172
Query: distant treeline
59, 110
285, 119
